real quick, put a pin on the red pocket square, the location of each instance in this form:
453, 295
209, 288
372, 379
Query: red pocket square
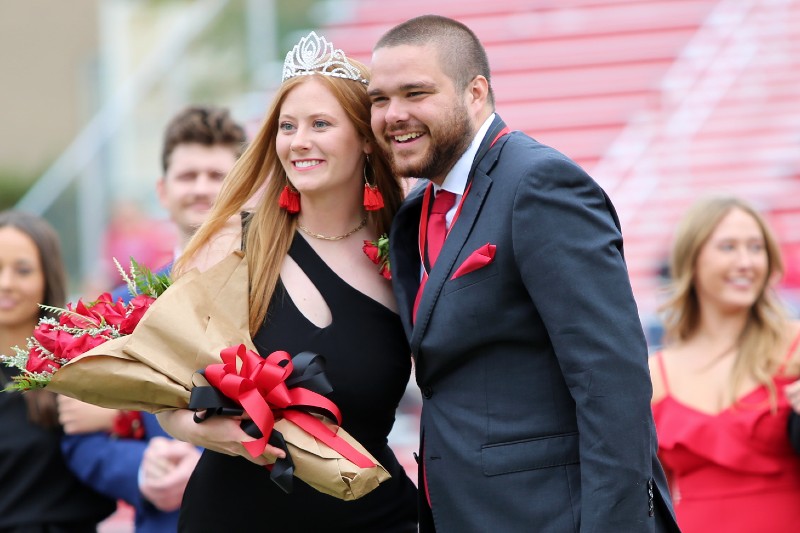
478, 259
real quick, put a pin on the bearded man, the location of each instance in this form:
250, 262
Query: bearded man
508, 269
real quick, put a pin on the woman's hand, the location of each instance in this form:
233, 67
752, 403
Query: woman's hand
221, 434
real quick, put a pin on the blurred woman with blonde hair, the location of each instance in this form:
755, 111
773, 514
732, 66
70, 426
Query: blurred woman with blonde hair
719, 397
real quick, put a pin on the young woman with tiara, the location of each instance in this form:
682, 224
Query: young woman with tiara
321, 179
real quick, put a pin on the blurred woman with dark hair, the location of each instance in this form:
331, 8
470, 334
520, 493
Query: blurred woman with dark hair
39, 493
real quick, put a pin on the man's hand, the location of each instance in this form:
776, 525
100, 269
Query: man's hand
165, 470
80, 417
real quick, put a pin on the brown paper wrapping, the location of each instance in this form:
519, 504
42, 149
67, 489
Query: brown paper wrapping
183, 331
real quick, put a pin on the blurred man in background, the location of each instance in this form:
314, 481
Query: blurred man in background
126, 455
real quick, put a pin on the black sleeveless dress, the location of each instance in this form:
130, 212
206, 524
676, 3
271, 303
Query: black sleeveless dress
368, 362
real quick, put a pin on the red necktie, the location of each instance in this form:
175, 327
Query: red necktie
434, 240
437, 224
434, 237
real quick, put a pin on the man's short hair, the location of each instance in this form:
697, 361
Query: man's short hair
206, 125
461, 54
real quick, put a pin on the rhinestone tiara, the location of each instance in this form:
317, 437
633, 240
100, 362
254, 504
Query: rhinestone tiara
315, 55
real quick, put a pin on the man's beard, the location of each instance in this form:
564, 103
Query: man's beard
449, 141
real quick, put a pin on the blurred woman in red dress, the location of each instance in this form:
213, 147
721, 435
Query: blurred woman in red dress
719, 402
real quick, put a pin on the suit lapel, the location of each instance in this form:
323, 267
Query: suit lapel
447, 257
404, 254
479, 183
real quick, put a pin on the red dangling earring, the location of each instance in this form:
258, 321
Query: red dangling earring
290, 199
373, 199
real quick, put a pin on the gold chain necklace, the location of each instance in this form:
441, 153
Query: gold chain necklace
334, 238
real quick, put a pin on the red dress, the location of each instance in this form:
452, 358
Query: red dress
734, 471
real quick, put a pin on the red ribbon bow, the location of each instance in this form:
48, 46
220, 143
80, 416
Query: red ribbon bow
258, 385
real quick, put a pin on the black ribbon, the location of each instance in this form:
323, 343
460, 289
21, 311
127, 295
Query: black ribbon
308, 372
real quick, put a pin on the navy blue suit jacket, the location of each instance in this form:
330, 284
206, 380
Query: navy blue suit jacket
536, 390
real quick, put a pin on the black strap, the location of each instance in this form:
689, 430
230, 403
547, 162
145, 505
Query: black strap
332, 288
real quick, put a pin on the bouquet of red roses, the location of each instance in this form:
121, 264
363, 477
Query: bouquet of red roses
68, 333
200, 323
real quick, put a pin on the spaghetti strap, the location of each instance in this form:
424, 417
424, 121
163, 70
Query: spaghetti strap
789, 355
660, 358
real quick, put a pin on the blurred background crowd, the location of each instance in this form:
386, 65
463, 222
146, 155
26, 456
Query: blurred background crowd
661, 101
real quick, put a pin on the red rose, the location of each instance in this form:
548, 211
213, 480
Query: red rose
371, 249
52, 339
136, 310
75, 346
36, 363
385, 272
92, 315
46, 336
79, 317
112, 312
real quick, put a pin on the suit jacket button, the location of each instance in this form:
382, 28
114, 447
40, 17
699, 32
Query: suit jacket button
427, 392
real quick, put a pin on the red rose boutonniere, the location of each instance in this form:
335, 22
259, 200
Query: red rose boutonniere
68, 333
378, 252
